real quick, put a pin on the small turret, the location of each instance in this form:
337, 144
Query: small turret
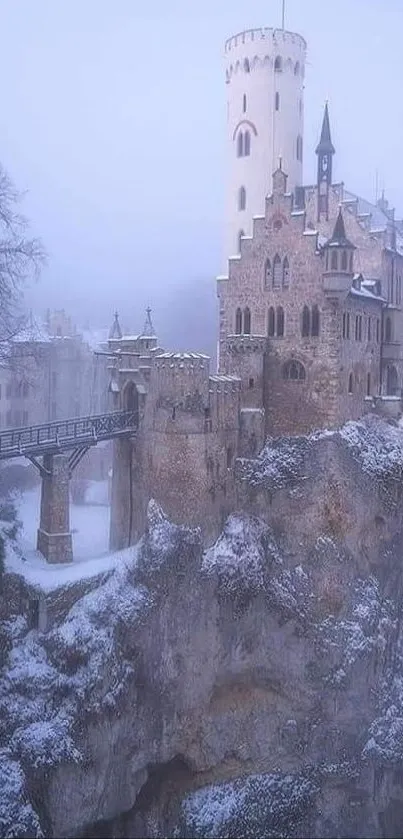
115, 330
148, 328
339, 261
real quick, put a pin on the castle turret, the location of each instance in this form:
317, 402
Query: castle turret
265, 90
339, 262
325, 151
115, 331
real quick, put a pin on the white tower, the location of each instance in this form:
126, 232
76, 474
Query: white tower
265, 71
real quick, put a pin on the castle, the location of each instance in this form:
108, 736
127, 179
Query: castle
310, 312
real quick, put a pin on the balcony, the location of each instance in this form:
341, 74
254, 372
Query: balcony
336, 284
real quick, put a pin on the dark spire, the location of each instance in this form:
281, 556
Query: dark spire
115, 331
339, 238
148, 329
325, 145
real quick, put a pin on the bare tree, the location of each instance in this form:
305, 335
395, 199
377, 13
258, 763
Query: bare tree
21, 258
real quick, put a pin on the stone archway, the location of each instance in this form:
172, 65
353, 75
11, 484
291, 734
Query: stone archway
130, 397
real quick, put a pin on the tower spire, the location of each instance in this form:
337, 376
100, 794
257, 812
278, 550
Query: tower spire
325, 151
115, 331
148, 329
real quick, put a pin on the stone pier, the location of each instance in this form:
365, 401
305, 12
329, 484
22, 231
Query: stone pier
54, 536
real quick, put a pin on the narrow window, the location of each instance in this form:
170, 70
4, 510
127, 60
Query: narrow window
240, 235
277, 272
286, 273
242, 198
267, 274
25, 417
360, 327
344, 261
357, 327
351, 262
327, 259
388, 330
348, 326
280, 322
350, 383
296, 69
240, 151
244, 103
299, 147
392, 381
333, 261
368, 384
377, 330
277, 98
315, 321
246, 65
306, 322
271, 324
251, 384
278, 64
369, 329
229, 457
344, 324
246, 321
392, 290
238, 322
247, 144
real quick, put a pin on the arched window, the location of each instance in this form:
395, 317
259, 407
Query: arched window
348, 325
299, 147
246, 321
131, 397
247, 144
344, 261
277, 101
350, 383
238, 322
306, 322
239, 146
388, 330
368, 384
351, 262
240, 235
242, 198
271, 325
280, 322
277, 272
315, 321
246, 65
267, 274
294, 371
344, 324
391, 381
296, 69
334, 261
278, 64
369, 329
377, 330
244, 103
286, 273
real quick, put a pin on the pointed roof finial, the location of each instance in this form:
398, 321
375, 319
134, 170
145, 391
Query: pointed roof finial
280, 163
325, 145
339, 238
148, 329
115, 331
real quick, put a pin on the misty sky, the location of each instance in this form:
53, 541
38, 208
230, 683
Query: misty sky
113, 117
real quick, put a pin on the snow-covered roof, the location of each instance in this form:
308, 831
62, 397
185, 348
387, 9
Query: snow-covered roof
364, 292
184, 356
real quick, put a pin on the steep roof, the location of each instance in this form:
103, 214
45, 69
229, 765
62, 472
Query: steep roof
338, 238
325, 145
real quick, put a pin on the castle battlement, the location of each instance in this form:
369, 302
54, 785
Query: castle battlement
279, 38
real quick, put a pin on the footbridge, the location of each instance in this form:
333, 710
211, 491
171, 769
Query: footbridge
56, 448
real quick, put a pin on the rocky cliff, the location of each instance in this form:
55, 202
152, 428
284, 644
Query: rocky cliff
254, 689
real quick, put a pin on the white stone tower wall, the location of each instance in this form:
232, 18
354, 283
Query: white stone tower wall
273, 133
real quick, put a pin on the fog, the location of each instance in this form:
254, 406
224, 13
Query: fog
113, 120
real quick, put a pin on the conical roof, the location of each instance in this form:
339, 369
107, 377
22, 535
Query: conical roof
115, 330
338, 238
325, 145
148, 329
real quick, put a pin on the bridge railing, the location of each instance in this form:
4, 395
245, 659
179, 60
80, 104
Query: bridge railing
61, 435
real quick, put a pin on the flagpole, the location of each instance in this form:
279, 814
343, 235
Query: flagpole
283, 16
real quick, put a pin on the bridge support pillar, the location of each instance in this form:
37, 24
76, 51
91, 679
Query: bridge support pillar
54, 536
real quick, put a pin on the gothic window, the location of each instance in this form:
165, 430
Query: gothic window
277, 98
277, 272
344, 261
348, 325
391, 381
246, 65
306, 322
351, 262
377, 330
246, 321
286, 273
392, 288
299, 147
358, 328
278, 64
271, 325
350, 383
267, 274
239, 146
247, 144
244, 103
333, 261
344, 324
251, 384
315, 321
238, 322
369, 329
294, 371
388, 330
296, 69
280, 322
368, 384
240, 235
242, 198
327, 258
